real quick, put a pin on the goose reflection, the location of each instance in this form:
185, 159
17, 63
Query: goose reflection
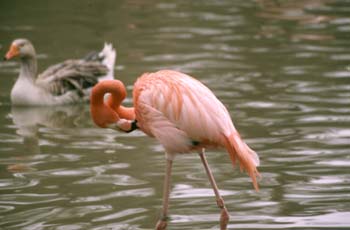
29, 120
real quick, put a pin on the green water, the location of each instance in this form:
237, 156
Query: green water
280, 67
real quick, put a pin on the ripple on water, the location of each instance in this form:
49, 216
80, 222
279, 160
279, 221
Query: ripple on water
30, 198
332, 179
116, 179
29, 217
17, 183
142, 192
333, 220
188, 191
82, 211
69, 172
338, 74
6, 208
127, 213
31, 160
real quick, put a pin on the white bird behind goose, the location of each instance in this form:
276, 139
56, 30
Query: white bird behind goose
64, 83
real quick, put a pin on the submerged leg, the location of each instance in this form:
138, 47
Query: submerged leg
162, 223
224, 217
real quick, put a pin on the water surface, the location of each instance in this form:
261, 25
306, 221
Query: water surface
280, 67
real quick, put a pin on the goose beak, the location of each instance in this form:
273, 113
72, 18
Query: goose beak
13, 52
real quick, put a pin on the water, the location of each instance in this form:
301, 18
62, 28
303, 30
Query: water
280, 67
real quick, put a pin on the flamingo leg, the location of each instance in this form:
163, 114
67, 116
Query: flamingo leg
224, 217
162, 222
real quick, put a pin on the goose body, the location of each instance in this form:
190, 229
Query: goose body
64, 83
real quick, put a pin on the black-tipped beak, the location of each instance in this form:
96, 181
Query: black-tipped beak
4, 58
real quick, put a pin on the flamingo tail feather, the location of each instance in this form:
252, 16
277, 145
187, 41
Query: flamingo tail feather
247, 157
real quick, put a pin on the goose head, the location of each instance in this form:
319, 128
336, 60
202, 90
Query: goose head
22, 48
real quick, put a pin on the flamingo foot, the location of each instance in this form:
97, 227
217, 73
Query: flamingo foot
161, 225
224, 218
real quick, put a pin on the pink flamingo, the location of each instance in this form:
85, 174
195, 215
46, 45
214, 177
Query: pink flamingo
183, 115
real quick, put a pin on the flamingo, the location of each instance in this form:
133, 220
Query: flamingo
64, 83
183, 115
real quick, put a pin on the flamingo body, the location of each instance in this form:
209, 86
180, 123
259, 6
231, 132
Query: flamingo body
179, 110
181, 113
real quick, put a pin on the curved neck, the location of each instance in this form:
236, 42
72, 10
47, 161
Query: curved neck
114, 102
101, 110
28, 68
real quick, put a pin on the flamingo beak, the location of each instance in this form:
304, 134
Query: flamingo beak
13, 52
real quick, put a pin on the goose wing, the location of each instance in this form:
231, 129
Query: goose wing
71, 75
